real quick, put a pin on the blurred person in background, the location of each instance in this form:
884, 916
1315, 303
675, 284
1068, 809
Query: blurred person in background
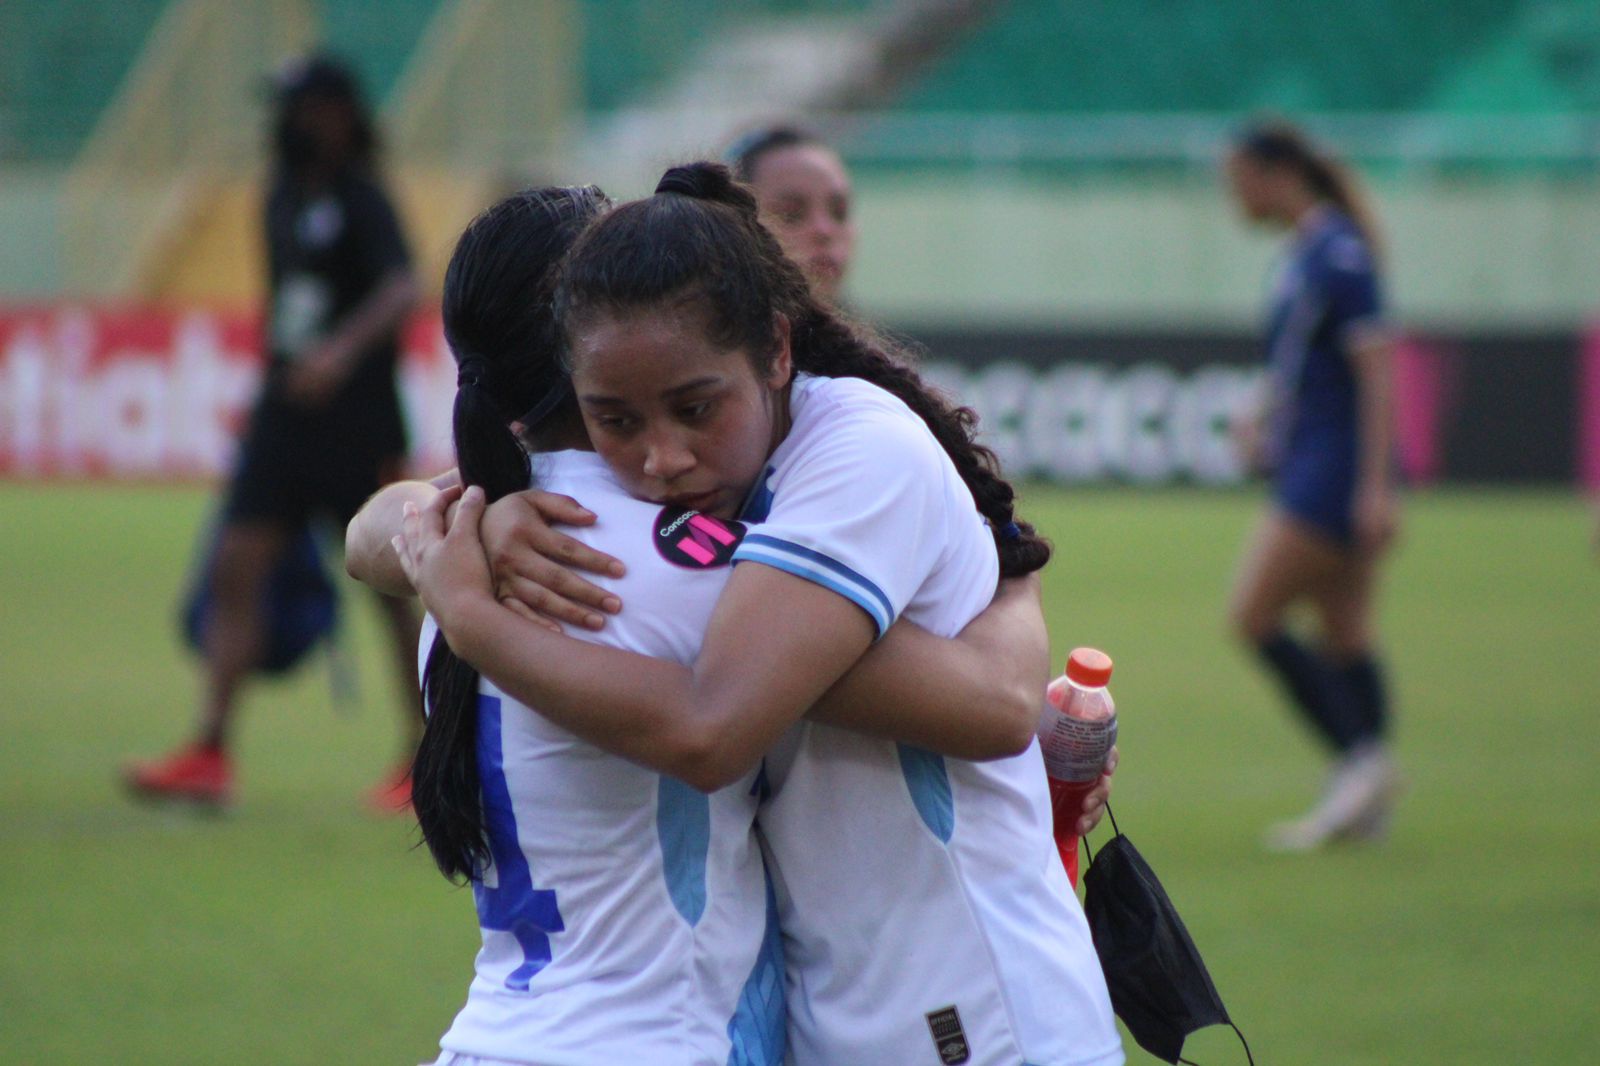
804, 192
326, 430
1324, 431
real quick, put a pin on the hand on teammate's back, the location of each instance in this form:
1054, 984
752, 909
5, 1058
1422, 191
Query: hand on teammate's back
439, 548
535, 565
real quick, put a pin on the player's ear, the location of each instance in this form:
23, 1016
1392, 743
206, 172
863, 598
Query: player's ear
782, 368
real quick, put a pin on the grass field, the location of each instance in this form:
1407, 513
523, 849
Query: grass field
300, 929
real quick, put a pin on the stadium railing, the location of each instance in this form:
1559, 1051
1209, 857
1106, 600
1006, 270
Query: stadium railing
1425, 141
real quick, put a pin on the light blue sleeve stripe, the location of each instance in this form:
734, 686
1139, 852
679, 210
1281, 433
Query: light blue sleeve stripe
825, 563
799, 568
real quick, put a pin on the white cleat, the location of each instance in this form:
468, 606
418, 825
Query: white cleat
1355, 806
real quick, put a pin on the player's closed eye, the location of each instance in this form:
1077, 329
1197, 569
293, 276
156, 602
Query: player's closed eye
616, 424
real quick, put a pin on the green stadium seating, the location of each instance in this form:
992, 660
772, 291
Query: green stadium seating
1168, 56
376, 38
60, 63
630, 45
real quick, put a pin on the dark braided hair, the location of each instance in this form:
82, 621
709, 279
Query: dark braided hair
699, 238
499, 325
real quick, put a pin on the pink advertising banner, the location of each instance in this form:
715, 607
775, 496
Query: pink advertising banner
1589, 411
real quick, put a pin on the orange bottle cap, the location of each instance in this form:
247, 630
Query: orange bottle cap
1089, 667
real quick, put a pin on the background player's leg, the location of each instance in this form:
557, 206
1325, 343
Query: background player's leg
202, 771
246, 555
405, 629
1286, 562
1345, 606
1290, 561
1366, 782
402, 621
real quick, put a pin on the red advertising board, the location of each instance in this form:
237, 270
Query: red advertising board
146, 394
136, 393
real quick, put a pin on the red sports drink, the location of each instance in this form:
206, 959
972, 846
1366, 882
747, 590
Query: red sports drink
1076, 732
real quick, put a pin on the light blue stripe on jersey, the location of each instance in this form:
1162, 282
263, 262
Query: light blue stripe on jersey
758, 1030
929, 783
683, 824
827, 572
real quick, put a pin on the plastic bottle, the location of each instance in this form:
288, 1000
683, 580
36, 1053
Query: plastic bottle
1076, 732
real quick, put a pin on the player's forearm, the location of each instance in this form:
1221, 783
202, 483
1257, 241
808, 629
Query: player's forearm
378, 316
369, 554
630, 705
756, 674
976, 696
1373, 360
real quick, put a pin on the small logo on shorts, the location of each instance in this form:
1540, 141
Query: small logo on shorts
695, 541
948, 1037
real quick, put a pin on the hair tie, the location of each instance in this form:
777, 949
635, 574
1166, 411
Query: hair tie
473, 369
1010, 531
682, 181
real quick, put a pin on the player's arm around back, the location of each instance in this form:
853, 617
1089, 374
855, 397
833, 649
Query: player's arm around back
369, 554
775, 644
523, 543
974, 696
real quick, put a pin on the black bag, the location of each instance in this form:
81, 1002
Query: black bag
300, 602
1159, 984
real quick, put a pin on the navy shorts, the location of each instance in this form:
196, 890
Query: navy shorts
1316, 483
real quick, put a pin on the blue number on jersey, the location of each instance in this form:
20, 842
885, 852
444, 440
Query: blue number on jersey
514, 906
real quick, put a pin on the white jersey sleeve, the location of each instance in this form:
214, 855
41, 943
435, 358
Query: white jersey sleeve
857, 499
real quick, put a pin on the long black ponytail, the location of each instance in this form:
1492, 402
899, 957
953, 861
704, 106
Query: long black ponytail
500, 329
700, 236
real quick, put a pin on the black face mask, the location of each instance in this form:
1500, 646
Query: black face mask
1159, 985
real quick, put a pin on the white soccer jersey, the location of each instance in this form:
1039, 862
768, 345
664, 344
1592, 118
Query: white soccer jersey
626, 917
926, 915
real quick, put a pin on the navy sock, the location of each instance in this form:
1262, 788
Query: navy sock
1363, 679
1318, 689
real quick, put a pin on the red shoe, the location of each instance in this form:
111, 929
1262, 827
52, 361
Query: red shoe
392, 795
192, 773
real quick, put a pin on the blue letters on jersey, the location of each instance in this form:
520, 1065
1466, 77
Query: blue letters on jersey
513, 906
